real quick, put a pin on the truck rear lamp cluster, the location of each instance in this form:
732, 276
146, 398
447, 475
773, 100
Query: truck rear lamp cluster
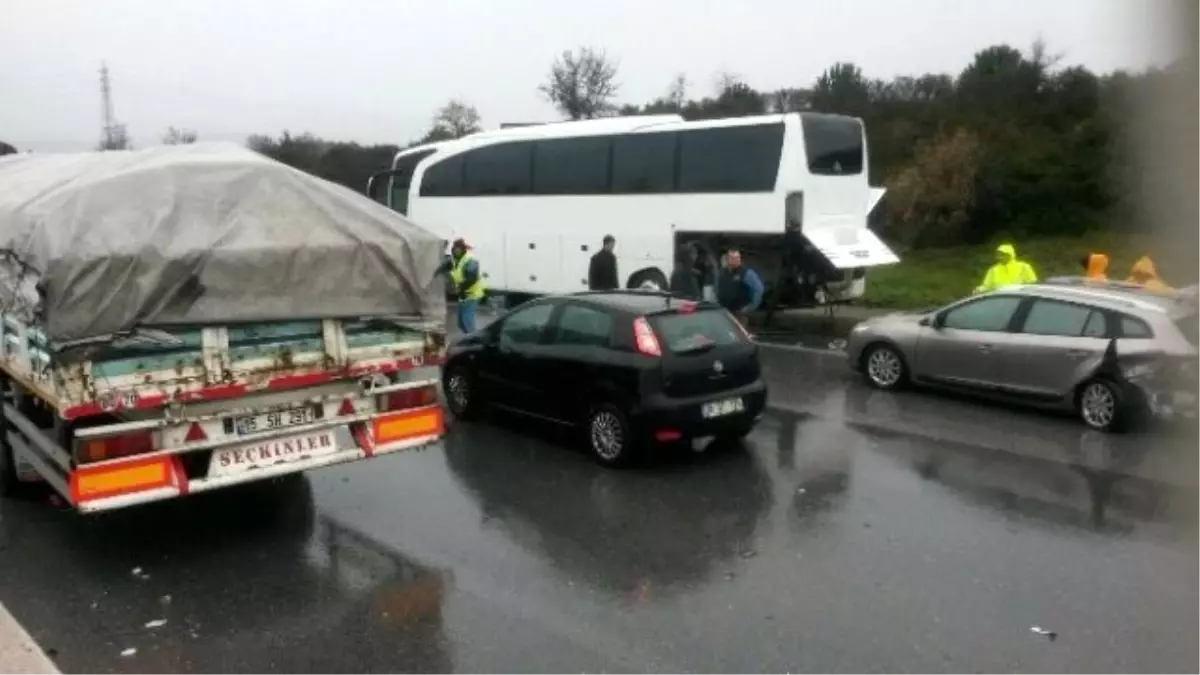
113, 447
416, 397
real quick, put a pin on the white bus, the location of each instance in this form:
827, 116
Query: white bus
790, 191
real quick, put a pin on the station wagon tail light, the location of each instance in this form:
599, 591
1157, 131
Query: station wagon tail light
409, 398
686, 307
644, 339
112, 447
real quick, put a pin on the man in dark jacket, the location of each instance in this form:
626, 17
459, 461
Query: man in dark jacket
739, 289
684, 282
602, 270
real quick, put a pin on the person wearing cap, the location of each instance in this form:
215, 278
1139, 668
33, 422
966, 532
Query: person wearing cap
468, 286
602, 270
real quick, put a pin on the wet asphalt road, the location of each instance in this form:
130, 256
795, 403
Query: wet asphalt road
855, 531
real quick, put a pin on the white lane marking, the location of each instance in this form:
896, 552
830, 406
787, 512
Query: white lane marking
18, 652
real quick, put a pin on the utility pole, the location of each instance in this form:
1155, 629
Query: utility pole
113, 134
106, 105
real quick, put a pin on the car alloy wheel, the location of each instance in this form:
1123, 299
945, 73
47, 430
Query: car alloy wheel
884, 367
458, 392
1098, 405
608, 438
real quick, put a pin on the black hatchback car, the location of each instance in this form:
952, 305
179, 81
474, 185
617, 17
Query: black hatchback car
632, 368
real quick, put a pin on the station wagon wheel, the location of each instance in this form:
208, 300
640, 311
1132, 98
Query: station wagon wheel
460, 392
608, 436
1101, 405
884, 367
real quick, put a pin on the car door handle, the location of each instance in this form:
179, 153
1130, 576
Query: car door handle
986, 348
1078, 353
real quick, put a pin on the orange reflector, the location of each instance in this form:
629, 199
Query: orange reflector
108, 481
195, 433
409, 424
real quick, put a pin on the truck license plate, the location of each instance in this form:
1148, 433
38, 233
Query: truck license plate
252, 424
721, 408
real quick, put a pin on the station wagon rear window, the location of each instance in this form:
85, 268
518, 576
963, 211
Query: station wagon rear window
696, 331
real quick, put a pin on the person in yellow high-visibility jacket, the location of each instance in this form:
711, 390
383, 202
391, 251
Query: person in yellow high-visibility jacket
1007, 271
1145, 275
468, 284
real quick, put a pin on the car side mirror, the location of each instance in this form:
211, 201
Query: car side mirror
933, 321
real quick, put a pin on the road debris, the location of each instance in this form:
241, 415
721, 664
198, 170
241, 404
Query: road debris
129, 651
1048, 634
156, 623
166, 599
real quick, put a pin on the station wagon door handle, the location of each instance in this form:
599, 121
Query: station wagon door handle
1078, 353
986, 348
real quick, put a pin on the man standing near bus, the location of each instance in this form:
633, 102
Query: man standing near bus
602, 270
468, 286
739, 289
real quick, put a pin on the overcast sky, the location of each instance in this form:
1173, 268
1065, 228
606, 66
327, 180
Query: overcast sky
374, 71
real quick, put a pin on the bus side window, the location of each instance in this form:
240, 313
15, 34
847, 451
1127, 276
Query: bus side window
730, 159
502, 169
444, 179
644, 163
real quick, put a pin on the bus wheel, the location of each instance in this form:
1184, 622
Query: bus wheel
648, 280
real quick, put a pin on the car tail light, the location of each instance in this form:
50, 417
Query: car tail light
112, 447
686, 307
645, 341
408, 398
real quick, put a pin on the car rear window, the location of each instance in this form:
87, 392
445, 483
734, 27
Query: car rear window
685, 332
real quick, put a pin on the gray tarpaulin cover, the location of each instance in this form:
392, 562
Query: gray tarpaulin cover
203, 233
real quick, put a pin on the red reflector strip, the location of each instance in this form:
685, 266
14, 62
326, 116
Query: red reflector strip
667, 435
195, 434
409, 424
347, 408
124, 478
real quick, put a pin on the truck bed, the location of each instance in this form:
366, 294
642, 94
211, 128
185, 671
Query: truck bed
213, 406
211, 363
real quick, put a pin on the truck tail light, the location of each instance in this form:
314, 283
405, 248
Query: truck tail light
644, 339
112, 447
404, 399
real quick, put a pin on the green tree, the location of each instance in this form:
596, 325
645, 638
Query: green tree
582, 84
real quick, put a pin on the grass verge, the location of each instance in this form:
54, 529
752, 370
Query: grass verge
924, 278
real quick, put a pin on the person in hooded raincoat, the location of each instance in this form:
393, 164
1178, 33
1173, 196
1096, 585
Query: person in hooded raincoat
1007, 270
1095, 266
1145, 275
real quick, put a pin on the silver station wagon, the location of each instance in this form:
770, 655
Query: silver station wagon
1113, 352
